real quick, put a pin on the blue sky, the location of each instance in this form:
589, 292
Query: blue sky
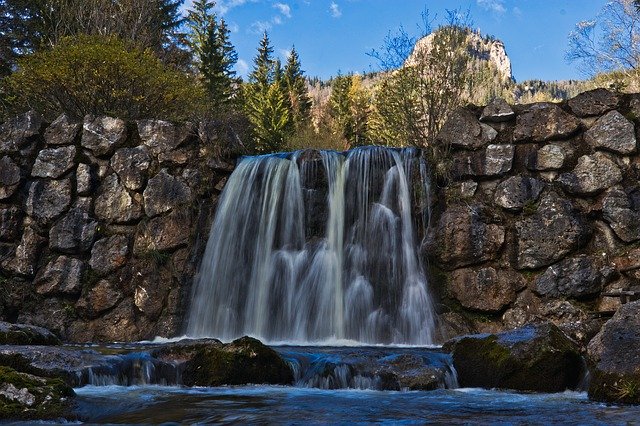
335, 35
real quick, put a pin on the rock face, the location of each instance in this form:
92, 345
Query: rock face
545, 123
100, 220
516, 192
593, 174
9, 177
464, 130
593, 102
548, 235
573, 277
614, 355
55, 162
164, 193
485, 289
614, 133
568, 204
465, 237
48, 199
245, 360
102, 135
619, 212
535, 358
115, 204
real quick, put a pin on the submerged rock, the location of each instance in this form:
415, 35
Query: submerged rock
23, 334
243, 361
614, 357
534, 358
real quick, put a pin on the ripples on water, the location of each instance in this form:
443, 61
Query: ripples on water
287, 405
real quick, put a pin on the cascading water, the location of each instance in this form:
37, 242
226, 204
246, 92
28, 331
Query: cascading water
314, 247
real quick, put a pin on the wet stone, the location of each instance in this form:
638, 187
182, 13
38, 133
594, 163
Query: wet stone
62, 275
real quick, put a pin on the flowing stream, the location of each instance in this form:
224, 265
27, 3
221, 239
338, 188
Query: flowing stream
318, 247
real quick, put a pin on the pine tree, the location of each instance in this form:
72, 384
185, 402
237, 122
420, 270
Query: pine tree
214, 55
262, 74
297, 91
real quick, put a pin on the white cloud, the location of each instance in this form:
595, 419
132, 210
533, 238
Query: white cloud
223, 6
285, 53
284, 8
234, 27
517, 11
334, 9
494, 6
259, 27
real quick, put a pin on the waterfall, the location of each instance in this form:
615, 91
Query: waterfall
313, 247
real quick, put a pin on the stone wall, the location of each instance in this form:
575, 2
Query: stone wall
542, 215
102, 223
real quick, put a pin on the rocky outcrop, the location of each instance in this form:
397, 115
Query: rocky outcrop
535, 358
614, 355
88, 207
22, 334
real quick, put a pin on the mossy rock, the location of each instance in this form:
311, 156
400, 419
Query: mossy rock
241, 362
27, 397
535, 358
614, 358
22, 334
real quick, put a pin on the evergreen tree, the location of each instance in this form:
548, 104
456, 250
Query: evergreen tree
265, 103
297, 91
214, 55
349, 108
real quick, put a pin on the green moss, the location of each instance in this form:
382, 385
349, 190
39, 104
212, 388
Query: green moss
159, 258
529, 208
51, 396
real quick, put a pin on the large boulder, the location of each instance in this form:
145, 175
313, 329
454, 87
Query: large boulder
63, 131
549, 157
576, 278
54, 162
99, 299
23, 334
549, 234
9, 177
495, 160
593, 174
619, 212
614, 357
48, 199
24, 396
465, 236
10, 219
593, 102
164, 193
612, 132
485, 289
162, 136
131, 165
115, 204
534, 358
463, 130
211, 363
17, 133
517, 192
74, 232
27, 253
163, 233
109, 254
498, 110
543, 123
103, 135
62, 275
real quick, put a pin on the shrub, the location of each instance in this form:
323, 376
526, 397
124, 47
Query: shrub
103, 76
